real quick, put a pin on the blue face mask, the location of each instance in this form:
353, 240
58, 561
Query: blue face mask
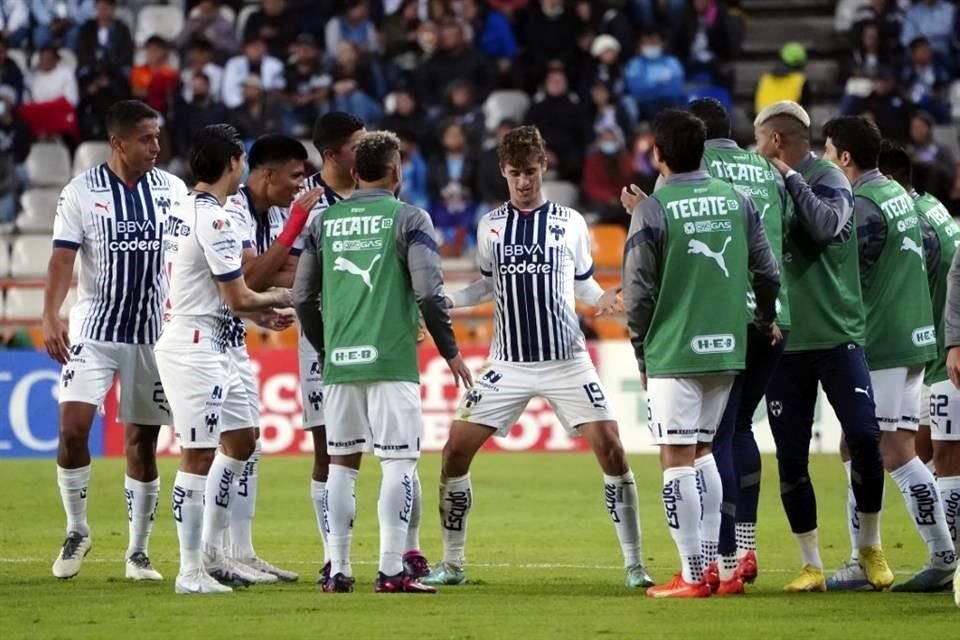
609, 148
651, 51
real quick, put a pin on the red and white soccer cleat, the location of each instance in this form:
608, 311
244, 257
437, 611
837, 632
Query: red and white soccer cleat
747, 567
680, 588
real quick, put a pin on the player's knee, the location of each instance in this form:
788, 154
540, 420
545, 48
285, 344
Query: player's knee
74, 434
456, 459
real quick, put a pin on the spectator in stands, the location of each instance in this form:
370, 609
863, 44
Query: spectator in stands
869, 54
608, 167
52, 88
253, 61
400, 38
16, 338
461, 106
199, 59
786, 81
604, 66
104, 39
15, 142
492, 32
933, 19
307, 84
455, 220
546, 34
100, 88
942, 168
356, 85
650, 14
259, 113
404, 114
491, 186
211, 26
562, 119
59, 20
644, 165
353, 26
883, 105
654, 79
413, 186
275, 25
455, 59
155, 81
606, 112
15, 21
925, 80
607, 18
11, 75
707, 40
192, 116
888, 18
454, 162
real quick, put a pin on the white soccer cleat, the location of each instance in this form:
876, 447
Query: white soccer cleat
260, 565
199, 581
140, 568
230, 571
75, 548
956, 587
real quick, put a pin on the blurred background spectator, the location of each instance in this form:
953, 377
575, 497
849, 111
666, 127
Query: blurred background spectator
104, 39
786, 81
607, 169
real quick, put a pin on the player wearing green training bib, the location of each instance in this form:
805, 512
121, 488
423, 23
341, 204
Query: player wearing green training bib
373, 262
900, 335
685, 278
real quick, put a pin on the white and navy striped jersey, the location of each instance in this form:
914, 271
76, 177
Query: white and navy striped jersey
202, 247
534, 258
118, 230
329, 198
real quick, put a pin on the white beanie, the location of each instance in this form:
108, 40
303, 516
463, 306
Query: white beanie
783, 108
603, 42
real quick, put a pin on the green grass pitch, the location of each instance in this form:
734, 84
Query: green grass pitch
544, 564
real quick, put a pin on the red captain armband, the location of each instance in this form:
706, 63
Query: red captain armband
295, 224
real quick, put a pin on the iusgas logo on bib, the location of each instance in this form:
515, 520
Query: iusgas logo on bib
924, 336
348, 356
718, 343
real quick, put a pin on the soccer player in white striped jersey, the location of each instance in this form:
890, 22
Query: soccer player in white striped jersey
535, 258
212, 414
112, 215
270, 230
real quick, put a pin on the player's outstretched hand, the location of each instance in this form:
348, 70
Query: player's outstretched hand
282, 298
460, 371
953, 366
611, 302
277, 319
56, 339
630, 196
309, 199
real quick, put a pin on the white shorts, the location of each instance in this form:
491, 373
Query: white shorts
311, 389
944, 412
207, 396
503, 389
896, 392
380, 416
684, 411
242, 410
89, 374
925, 405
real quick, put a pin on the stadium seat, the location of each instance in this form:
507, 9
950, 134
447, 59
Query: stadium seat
89, 155
243, 16
608, 241
30, 256
39, 209
48, 165
225, 11
159, 20
565, 193
126, 15
4, 258
505, 104
24, 303
945, 135
313, 156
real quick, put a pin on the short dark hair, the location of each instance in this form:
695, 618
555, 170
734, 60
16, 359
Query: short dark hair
375, 155
275, 148
157, 41
213, 148
713, 115
521, 146
679, 135
200, 42
333, 129
857, 136
125, 115
894, 161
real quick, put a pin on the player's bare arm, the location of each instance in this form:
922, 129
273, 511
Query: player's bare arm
273, 268
55, 333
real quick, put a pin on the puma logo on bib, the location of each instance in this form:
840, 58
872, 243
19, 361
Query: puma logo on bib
700, 248
342, 264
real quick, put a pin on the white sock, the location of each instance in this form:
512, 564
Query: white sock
142, 499
681, 504
932, 467
809, 548
188, 512
393, 510
456, 499
620, 495
853, 518
416, 514
73, 485
318, 492
217, 499
341, 509
869, 529
244, 507
711, 497
728, 567
950, 496
919, 489
746, 533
